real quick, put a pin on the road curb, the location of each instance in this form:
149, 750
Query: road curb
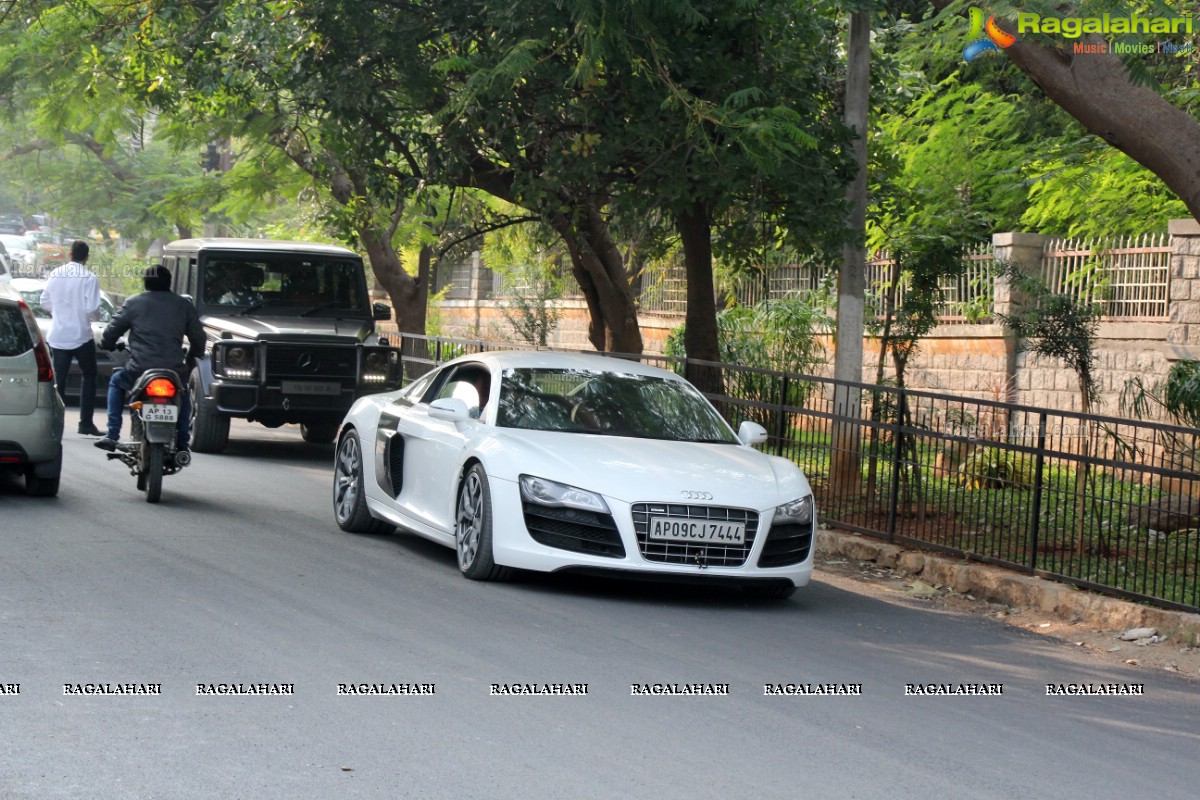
999, 585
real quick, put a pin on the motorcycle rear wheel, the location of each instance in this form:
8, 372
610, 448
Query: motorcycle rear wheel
153, 475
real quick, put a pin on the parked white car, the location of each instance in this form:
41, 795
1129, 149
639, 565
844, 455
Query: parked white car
31, 412
574, 462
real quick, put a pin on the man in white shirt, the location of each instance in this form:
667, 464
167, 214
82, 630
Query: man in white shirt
72, 296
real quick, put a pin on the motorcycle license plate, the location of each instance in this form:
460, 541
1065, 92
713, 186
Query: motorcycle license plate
159, 413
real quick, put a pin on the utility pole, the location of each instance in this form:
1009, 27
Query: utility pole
846, 471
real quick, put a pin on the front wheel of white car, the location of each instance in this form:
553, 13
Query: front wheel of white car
473, 528
349, 494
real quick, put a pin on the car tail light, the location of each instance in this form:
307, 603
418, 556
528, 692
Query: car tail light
41, 351
44, 363
160, 387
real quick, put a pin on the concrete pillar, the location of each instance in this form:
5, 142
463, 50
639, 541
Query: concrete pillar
1024, 250
1184, 289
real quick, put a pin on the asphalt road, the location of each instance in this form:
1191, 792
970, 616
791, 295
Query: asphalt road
240, 576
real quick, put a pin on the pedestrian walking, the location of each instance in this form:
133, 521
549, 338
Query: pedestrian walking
72, 296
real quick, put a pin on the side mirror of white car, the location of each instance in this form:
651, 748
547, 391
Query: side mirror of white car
450, 409
751, 433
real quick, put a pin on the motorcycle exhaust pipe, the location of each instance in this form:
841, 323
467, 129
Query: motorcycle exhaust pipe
183, 458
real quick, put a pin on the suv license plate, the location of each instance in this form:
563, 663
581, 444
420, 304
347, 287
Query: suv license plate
152, 412
670, 529
324, 388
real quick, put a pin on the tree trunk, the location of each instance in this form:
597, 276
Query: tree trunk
409, 295
599, 268
700, 331
596, 262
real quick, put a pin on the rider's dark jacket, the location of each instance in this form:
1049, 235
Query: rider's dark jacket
157, 322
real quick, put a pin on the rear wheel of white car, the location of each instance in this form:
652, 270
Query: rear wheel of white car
349, 497
473, 528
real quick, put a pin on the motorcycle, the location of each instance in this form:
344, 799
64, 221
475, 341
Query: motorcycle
150, 454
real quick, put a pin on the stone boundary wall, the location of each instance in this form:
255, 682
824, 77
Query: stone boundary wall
976, 361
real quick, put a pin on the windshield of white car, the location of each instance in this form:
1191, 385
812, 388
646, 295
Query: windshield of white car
608, 403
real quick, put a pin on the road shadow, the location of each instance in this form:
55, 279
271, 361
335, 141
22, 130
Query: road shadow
248, 441
636, 590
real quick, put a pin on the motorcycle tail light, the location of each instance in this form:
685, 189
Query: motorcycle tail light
160, 387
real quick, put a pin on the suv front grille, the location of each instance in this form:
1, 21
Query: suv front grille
708, 554
309, 362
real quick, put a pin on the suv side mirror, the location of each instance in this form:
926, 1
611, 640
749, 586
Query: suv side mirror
380, 311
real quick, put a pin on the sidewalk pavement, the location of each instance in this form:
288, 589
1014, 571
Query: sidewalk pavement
1000, 585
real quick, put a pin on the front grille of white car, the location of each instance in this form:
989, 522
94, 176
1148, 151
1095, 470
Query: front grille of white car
786, 545
575, 530
705, 555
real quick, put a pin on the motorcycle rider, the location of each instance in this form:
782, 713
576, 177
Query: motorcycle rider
157, 321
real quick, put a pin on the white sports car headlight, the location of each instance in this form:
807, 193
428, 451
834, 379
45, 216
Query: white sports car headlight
796, 512
551, 493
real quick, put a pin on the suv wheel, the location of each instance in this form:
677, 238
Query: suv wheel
319, 432
210, 430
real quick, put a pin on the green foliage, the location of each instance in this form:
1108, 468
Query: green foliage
1177, 396
995, 468
1087, 189
952, 152
921, 259
530, 305
779, 335
982, 141
1183, 392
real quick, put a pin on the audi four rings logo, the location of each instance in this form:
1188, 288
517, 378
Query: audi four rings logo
696, 495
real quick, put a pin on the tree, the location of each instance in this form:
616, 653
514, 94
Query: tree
1110, 100
584, 111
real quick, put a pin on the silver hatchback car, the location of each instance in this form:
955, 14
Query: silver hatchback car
31, 412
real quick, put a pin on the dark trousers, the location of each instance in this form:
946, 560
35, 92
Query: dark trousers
85, 355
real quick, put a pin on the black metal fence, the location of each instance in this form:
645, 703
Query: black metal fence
1100, 502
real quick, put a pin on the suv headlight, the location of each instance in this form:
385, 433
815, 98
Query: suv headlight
380, 366
238, 361
795, 512
550, 493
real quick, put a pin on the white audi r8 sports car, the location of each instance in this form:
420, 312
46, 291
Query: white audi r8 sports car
574, 462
